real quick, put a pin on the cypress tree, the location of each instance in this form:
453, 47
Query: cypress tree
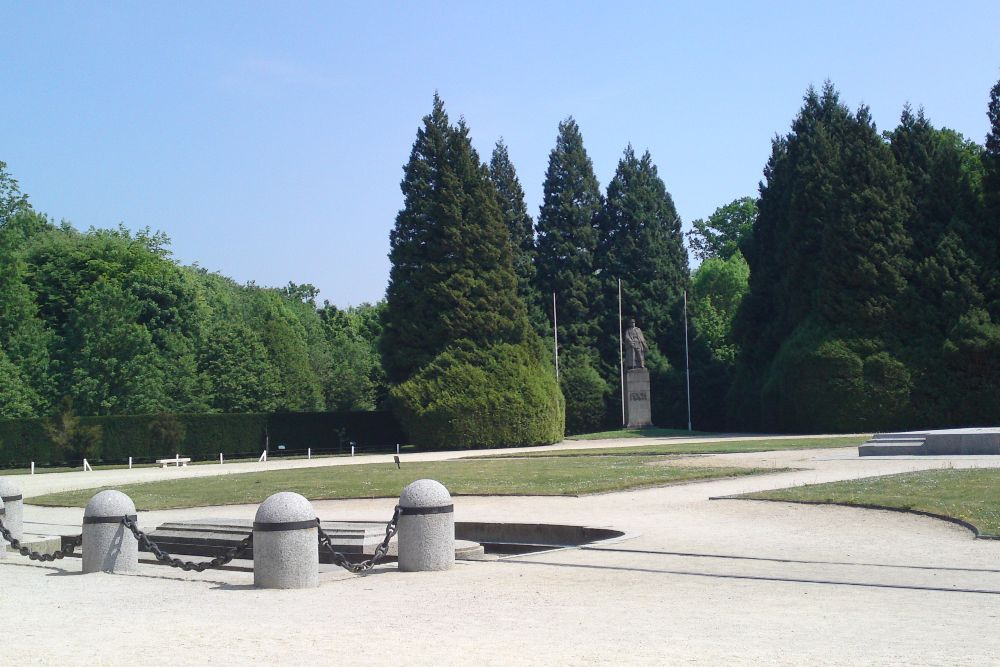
641, 243
828, 260
991, 199
467, 370
514, 212
452, 276
567, 240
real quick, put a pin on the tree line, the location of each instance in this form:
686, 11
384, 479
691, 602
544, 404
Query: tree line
858, 290
106, 322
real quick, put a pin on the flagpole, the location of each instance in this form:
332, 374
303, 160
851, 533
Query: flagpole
555, 334
621, 349
687, 358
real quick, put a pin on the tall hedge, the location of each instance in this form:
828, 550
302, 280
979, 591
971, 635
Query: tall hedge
206, 436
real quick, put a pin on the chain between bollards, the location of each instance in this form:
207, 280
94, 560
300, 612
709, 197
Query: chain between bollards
74, 542
187, 566
380, 551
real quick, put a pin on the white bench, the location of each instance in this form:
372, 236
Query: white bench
177, 461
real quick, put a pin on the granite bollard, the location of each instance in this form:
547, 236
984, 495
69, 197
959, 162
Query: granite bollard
426, 527
286, 543
10, 494
108, 546
3, 543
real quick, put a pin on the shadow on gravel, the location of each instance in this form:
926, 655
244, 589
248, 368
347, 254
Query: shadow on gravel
790, 560
747, 577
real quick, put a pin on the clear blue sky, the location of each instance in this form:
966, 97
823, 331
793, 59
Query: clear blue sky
267, 139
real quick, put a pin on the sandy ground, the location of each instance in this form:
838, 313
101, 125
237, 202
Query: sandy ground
698, 581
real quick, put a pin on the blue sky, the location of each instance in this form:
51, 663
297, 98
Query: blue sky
267, 139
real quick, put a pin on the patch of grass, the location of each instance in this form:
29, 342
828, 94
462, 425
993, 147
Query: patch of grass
973, 496
640, 433
571, 476
723, 447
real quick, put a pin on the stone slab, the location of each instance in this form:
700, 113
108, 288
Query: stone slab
942, 442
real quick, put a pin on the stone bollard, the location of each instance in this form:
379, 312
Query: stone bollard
426, 527
285, 543
108, 546
10, 494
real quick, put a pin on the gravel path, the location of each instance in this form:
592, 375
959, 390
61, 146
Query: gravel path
701, 581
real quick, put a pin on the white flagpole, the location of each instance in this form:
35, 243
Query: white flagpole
687, 359
621, 349
555, 334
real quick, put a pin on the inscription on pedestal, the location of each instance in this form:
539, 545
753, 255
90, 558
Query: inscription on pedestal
637, 409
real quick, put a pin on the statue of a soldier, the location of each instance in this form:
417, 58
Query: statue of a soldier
635, 346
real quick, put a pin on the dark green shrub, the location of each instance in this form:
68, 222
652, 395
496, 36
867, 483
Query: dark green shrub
584, 391
499, 396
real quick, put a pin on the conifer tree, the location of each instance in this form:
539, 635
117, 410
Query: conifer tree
991, 198
452, 277
567, 240
828, 262
514, 212
641, 243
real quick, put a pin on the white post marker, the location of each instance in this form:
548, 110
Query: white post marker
397, 448
86, 466
220, 458
352, 449
263, 457
32, 467
426, 527
309, 453
108, 546
130, 463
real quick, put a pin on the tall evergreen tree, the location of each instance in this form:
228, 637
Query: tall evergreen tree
452, 276
641, 243
828, 260
567, 240
513, 210
991, 197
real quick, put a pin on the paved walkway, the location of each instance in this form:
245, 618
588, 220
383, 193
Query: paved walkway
700, 580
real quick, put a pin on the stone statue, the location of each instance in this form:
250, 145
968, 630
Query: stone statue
635, 346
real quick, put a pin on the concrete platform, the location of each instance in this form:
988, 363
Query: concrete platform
943, 442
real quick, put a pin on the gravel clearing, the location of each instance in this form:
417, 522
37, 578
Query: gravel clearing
698, 580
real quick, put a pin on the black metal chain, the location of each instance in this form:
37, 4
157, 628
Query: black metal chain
187, 566
71, 545
380, 551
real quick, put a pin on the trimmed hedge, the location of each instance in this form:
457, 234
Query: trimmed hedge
499, 396
207, 435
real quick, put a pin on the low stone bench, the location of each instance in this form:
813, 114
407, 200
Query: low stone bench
177, 461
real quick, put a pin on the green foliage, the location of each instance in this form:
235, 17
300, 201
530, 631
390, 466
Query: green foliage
641, 244
585, 392
73, 440
200, 436
500, 396
17, 398
514, 212
167, 431
725, 230
567, 239
717, 290
452, 276
828, 253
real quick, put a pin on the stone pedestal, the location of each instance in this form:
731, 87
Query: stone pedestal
637, 406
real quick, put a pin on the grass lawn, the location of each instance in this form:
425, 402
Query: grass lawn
639, 433
667, 449
970, 495
564, 476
